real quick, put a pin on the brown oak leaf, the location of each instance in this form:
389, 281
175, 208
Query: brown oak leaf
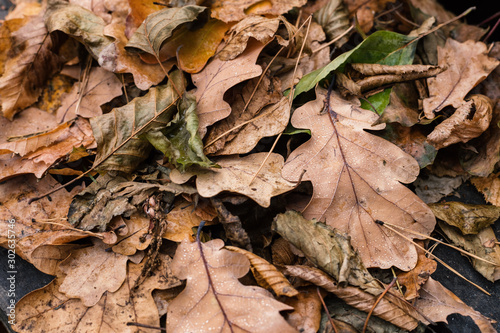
356, 179
231, 10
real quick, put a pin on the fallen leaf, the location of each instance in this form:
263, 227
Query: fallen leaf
257, 27
102, 86
47, 258
431, 188
158, 27
306, 316
327, 248
390, 308
233, 227
179, 140
213, 294
98, 7
235, 174
398, 111
478, 244
489, 187
470, 219
436, 302
137, 236
217, 77
34, 60
365, 11
413, 279
334, 18
231, 10
266, 275
139, 11
268, 92
460, 127
117, 133
467, 65
351, 192
31, 221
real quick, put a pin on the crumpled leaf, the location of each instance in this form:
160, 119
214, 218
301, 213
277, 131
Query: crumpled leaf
356, 179
383, 47
460, 127
467, 65
268, 92
32, 62
117, 133
334, 19
30, 225
391, 308
413, 279
102, 87
132, 234
217, 77
110, 196
231, 10
158, 27
489, 187
266, 275
327, 248
213, 296
470, 219
258, 27
179, 140
39, 151
436, 302
235, 174
50, 310
484, 244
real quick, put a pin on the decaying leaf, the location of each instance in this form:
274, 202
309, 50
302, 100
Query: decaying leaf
391, 308
258, 27
334, 18
117, 133
267, 275
102, 87
218, 76
460, 127
356, 178
470, 219
235, 174
365, 11
436, 302
34, 60
413, 279
432, 188
232, 225
231, 10
306, 316
213, 296
489, 187
478, 244
467, 65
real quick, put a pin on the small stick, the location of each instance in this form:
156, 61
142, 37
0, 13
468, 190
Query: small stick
70, 228
146, 326
327, 312
389, 286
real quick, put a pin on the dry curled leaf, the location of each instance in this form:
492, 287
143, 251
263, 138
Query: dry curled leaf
217, 77
231, 10
267, 275
356, 179
212, 299
235, 174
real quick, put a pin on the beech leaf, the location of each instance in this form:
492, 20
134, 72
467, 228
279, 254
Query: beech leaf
356, 179
235, 174
158, 27
213, 297
217, 77
117, 133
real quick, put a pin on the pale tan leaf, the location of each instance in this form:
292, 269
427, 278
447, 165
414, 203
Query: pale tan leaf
235, 175
258, 27
306, 317
102, 86
460, 127
356, 179
47, 258
217, 77
213, 298
33, 63
489, 187
136, 237
267, 275
436, 302
467, 65
231, 10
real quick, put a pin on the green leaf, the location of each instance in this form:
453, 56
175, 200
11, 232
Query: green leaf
79, 23
379, 101
117, 133
159, 26
180, 141
383, 47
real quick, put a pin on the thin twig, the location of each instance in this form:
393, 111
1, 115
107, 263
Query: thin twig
70, 228
389, 286
334, 40
326, 311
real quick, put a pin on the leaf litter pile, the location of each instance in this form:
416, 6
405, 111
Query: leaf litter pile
246, 166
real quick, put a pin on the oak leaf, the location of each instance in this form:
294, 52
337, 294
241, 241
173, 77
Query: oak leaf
217, 77
213, 298
467, 65
136, 235
235, 174
34, 60
230, 10
356, 179
101, 87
